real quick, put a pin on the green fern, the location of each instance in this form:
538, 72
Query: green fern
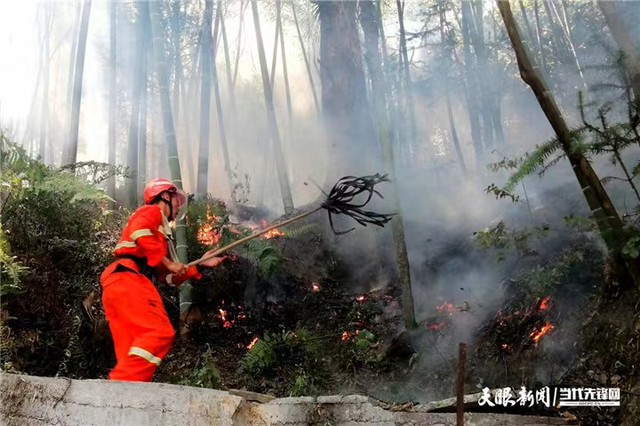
532, 162
299, 231
265, 253
11, 271
67, 182
262, 355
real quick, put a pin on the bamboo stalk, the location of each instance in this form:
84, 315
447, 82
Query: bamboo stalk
251, 237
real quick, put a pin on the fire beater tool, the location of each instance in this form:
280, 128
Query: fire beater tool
340, 200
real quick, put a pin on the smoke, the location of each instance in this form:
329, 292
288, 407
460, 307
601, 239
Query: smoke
441, 205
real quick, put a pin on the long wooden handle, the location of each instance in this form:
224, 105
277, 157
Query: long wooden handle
251, 237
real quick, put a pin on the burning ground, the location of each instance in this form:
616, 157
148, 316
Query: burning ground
293, 314
304, 330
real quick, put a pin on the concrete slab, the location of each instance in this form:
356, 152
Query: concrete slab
40, 401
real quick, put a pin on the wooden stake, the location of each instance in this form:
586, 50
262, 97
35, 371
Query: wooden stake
462, 360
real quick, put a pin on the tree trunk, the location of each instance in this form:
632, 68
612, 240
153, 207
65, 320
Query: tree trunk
305, 57
274, 56
186, 298
452, 124
44, 111
556, 34
368, 19
527, 23
487, 99
178, 71
243, 8
206, 51
72, 61
219, 111
609, 223
566, 30
139, 86
346, 112
113, 9
471, 95
539, 37
285, 72
283, 180
227, 61
407, 84
142, 128
74, 125
622, 37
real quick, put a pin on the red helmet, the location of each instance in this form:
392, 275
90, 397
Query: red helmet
158, 186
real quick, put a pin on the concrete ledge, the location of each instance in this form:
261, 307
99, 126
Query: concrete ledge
40, 401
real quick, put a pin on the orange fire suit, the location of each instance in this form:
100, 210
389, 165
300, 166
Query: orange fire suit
141, 331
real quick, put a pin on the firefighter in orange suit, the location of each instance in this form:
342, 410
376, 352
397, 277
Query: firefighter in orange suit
142, 333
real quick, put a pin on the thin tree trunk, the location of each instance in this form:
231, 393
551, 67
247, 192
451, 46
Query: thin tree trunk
274, 56
44, 112
452, 124
287, 87
609, 223
407, 83
391, 97
345, 107
556, 35
227, 61
142, 130
74, 126
283, 180
370, 26
470, 82
113, 9
219, 112
564, 25
206, 52
186, 297
486, 100
539, 37
454, 134
621, 35
178, 71
285, 72
139, 85
305, 57
72, 61
243, 8
527, 24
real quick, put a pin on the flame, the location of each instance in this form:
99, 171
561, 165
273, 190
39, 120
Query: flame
347, 334
253, 342
437, 325
361, 298
315, 287
223, 316
263, 224
544, 304
446, 308
206, 234
537, 334
275, 232
505, 346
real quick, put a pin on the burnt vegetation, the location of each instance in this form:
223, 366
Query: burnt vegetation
541, 283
